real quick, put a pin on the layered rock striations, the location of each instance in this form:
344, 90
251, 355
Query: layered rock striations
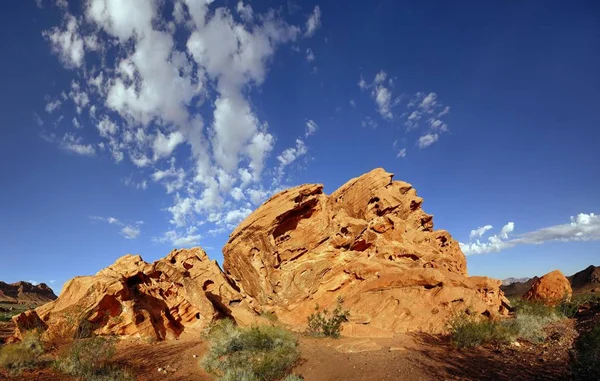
371, 244
368, 243
183, 291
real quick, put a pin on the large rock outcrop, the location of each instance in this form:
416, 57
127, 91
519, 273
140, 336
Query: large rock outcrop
26, 293
370, 243
550, 289
183, 291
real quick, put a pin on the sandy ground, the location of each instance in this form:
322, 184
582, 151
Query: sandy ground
405, 357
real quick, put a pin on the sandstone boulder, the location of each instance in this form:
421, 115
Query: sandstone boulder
183, 291
550, 289
370, 243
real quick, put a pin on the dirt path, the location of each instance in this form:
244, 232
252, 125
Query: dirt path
406, 357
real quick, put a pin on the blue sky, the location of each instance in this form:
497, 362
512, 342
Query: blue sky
140, 126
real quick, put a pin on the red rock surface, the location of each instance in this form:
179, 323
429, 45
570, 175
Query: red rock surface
550, 289
370, 243
183, 291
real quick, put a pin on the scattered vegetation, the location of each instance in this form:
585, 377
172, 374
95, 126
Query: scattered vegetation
8, 310
528, 324
25, 355
248, 354
90, 359
321, 323
587, 362
570, 307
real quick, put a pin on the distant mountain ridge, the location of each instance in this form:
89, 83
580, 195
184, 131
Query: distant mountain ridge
582, 281
509, 281
26, 293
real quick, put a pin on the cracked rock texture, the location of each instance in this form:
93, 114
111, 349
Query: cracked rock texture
368, 242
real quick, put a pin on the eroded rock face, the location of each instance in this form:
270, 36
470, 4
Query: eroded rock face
550, 289
183, 291
371, 244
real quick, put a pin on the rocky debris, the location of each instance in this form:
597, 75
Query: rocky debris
184, 290
550, 289
370, 243
26, 293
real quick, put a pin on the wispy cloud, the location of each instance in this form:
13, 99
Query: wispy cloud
129, 231
583, 227
223, 147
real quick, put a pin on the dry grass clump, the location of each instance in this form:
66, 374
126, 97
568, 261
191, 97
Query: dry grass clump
25, 355
90, 359
528, 324
251, 354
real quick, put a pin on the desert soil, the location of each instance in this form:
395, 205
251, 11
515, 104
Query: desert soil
405, 357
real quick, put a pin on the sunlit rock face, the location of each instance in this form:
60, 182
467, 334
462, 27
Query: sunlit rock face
368, 242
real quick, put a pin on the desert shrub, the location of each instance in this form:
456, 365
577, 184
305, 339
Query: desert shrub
16, 358
570, 307
587, 363
293, 377
90, 359
524, 307
468, 331
528, 324
529, 327
321, 323
247, 354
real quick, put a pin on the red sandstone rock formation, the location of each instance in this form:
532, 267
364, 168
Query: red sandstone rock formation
183, 291
370, 243
550, 289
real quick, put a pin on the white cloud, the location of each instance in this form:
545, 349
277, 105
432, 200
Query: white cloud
381, 94
352, 103
480, 231
291, 154
380, 77
401, 153
66, 42
314, 22
368, 122
311, 128
51, 106
130, 232
310, 56
583, 227
383, 98
75, 144
245, 11
427, 140
189, 238
150, 98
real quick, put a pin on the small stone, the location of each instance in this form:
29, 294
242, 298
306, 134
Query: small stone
195, 356
160, 369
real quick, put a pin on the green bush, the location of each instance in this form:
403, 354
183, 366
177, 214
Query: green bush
528, 324
468, 331
16, 358
587, 363
90, 359
248, 354
321, 323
